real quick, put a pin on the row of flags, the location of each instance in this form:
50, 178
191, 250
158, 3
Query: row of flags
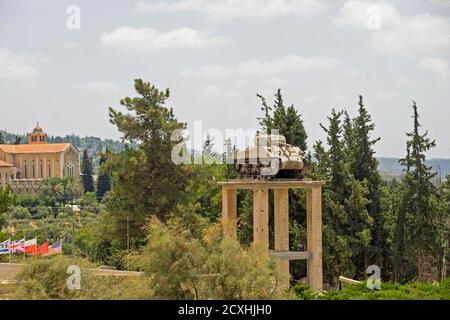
30, 246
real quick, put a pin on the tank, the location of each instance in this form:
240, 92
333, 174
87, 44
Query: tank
271, 157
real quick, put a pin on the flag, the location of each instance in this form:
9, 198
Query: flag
43, 249
18, 246
5, 247
55, 248
30, 245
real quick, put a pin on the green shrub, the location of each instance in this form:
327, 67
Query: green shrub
389, 291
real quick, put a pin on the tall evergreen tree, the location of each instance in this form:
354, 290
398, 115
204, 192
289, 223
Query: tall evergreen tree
146, 181
364, 167
347, 222
2, 140
285, 119
86, 171
443, 228
104, 177
415, 229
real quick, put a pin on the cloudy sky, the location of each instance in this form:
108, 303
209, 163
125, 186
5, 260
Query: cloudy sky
215, 55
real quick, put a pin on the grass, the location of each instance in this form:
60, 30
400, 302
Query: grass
389, 291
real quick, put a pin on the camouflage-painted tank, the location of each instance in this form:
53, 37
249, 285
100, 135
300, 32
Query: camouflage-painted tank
271, 157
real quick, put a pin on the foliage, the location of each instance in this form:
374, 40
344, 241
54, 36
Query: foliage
181, 266
146, 181
45, 278
389, 291
60, 190
286, 120
87, 172
202, 190
7, 199
19, 212
415, 235
347, 222
104, 177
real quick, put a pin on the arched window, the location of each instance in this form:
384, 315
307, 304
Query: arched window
49, 174
70, 166
41, 169
25, 170
33, 169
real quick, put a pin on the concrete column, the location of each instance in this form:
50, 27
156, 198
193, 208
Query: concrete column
281, 206
229, 212
261, 218
314, 237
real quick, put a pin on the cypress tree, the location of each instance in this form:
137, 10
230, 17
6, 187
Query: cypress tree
415, 230
86, 171
347, 222
364, 167
104, 177
336, 252
2, 141
285, 119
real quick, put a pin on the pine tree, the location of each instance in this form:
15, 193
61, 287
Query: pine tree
104, 177
86, 171
2, 141
285, 119
146, 180
415, 229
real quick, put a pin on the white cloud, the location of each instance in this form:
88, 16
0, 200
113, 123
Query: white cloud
284, 65
14, 66
365, 14
287, 64
236, 8
100, 87
393, 33
445, 3
439, 68
144, 39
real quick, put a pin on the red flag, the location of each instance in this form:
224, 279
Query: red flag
43, 249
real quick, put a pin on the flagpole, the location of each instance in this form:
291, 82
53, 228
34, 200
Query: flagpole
24, 241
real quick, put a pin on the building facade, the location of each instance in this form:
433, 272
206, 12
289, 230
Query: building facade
25, 166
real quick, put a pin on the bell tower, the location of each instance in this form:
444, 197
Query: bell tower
38, 136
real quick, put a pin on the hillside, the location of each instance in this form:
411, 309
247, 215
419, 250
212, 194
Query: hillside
391, 167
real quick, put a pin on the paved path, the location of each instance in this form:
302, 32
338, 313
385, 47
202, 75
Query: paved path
8, 271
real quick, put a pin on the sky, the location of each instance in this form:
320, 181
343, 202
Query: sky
63, 63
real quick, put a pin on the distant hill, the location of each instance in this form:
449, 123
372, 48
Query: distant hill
391, 167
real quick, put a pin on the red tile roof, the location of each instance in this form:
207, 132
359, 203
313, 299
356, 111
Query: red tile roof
35, 148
